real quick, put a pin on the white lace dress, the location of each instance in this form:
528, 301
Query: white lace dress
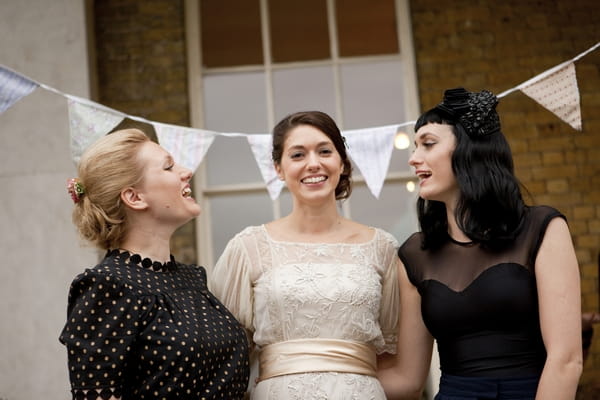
282, 291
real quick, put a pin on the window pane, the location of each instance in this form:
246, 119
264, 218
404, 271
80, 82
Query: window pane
394, 211
230, 32
298, 30
366, 27
373, 94
232, 213
229, 161
234, 103
399, 160
303, 89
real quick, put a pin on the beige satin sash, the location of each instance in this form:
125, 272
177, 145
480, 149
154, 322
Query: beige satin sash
316, 355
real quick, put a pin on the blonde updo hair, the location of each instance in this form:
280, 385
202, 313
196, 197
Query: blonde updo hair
107, 167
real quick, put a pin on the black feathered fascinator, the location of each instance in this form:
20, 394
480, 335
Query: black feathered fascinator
475, 111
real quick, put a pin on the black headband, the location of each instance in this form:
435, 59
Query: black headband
475, 111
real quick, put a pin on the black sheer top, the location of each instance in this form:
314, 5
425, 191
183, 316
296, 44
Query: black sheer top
481, 306
139, 329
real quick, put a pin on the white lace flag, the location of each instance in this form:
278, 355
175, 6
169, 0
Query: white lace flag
261, 146
556, 90
88, 122
13, 87
371, 151
188, 146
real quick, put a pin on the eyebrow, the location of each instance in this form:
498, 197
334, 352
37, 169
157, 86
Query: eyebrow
300, 146
424, 136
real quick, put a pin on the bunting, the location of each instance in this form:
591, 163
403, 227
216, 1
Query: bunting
557, 91
371, 151
261, 148
187, 145
13, 87
370, 148
88, 122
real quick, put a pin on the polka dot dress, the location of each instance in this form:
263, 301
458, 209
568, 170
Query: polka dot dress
139, 329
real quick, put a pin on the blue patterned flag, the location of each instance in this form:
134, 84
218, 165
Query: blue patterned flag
13, 87
89, 121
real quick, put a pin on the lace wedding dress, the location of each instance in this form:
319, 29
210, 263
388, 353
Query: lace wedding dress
286, 291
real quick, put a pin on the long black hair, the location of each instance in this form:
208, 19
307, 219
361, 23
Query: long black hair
490, 207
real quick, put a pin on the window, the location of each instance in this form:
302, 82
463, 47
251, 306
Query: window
254, 61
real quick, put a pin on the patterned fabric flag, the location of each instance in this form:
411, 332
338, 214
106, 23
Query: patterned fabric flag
557, 91
188, 146
88, 122
371, 151
261, 146
13, 87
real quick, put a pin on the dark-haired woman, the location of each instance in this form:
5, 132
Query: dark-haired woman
495, 282
316, 291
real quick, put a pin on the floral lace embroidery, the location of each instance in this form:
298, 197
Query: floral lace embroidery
312, 290
320, 386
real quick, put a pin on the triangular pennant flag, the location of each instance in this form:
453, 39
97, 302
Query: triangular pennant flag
88, 122
13, 87
261, 146
557, 91
371, 151
188, 146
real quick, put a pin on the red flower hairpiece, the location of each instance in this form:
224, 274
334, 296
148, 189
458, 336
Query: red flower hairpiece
75, 189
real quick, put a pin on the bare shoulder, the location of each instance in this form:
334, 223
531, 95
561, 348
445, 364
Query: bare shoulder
557, 235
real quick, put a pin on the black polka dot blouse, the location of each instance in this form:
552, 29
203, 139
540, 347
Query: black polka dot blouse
138, 329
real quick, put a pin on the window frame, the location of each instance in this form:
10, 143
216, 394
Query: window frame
196, 72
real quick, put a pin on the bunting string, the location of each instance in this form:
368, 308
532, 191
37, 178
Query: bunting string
370, 149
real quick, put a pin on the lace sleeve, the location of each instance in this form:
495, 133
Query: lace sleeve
231, 283
390, 296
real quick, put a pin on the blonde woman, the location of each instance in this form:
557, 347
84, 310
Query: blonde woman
140, 324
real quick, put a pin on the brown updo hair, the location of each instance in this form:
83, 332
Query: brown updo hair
107, 167
325, 124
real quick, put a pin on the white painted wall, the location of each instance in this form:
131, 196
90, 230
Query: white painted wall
40, 251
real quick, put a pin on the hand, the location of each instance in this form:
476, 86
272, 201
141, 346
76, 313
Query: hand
588, 319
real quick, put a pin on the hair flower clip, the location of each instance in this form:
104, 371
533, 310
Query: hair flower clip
75, 189
475, 111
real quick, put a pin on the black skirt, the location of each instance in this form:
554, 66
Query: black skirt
468, 388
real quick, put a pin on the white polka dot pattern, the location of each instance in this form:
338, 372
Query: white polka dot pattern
140, 331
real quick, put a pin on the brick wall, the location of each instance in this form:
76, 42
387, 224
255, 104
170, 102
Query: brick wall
141, 71
498, 45
494, 45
